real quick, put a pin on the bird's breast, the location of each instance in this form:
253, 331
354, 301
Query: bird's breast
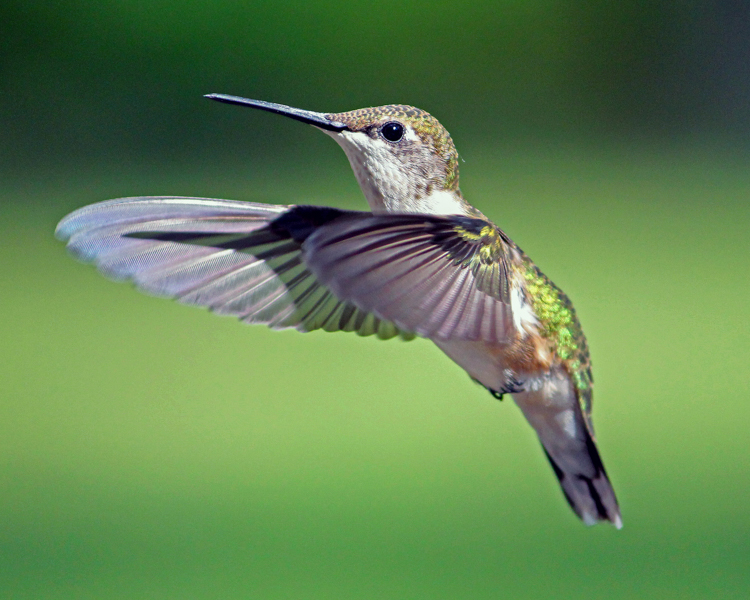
529, 354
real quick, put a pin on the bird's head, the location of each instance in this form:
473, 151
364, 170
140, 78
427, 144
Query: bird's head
403, 158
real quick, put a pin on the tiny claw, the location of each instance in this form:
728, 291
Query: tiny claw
512, 386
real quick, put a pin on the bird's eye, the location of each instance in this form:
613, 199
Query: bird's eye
392, 131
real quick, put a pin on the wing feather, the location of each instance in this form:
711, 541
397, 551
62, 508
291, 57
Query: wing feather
306, 267
236, 258
440, 276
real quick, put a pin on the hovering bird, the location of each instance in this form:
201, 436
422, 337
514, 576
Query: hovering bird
422, 262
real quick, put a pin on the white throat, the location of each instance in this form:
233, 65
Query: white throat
387, 184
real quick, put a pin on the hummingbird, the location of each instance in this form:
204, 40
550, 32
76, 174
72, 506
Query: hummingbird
422, 262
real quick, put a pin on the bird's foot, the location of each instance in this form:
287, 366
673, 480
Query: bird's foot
511, 386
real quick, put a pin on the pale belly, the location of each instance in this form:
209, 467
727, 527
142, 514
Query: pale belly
496, 366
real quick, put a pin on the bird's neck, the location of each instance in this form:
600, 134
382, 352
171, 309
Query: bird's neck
438, 202
390, 188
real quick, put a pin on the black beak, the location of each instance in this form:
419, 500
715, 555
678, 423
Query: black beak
306, 116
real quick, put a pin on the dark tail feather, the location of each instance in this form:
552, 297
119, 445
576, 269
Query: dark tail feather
590, 494
556, 415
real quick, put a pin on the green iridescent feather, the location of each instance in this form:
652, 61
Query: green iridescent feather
488, 261
559, 324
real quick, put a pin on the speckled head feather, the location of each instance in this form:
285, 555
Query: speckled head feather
427, 127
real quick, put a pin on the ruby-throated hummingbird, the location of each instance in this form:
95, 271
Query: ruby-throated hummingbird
423, 262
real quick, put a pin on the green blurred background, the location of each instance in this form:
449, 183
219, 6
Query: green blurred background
150, 450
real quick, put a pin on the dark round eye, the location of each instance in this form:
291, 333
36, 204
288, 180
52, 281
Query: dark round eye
392, 131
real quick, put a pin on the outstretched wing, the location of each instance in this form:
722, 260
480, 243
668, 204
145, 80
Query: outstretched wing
443, 277
236, 258
306, 267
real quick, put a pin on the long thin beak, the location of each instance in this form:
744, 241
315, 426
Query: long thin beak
306, 116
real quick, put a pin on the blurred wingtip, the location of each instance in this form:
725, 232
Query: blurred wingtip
62, 231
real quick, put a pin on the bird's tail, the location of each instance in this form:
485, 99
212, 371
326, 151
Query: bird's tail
572, 452
590, 496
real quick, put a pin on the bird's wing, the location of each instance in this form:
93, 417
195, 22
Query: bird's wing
237, 258
443, 277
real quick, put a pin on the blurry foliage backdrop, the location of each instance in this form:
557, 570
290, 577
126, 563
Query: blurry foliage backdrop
124, 79
150, 450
